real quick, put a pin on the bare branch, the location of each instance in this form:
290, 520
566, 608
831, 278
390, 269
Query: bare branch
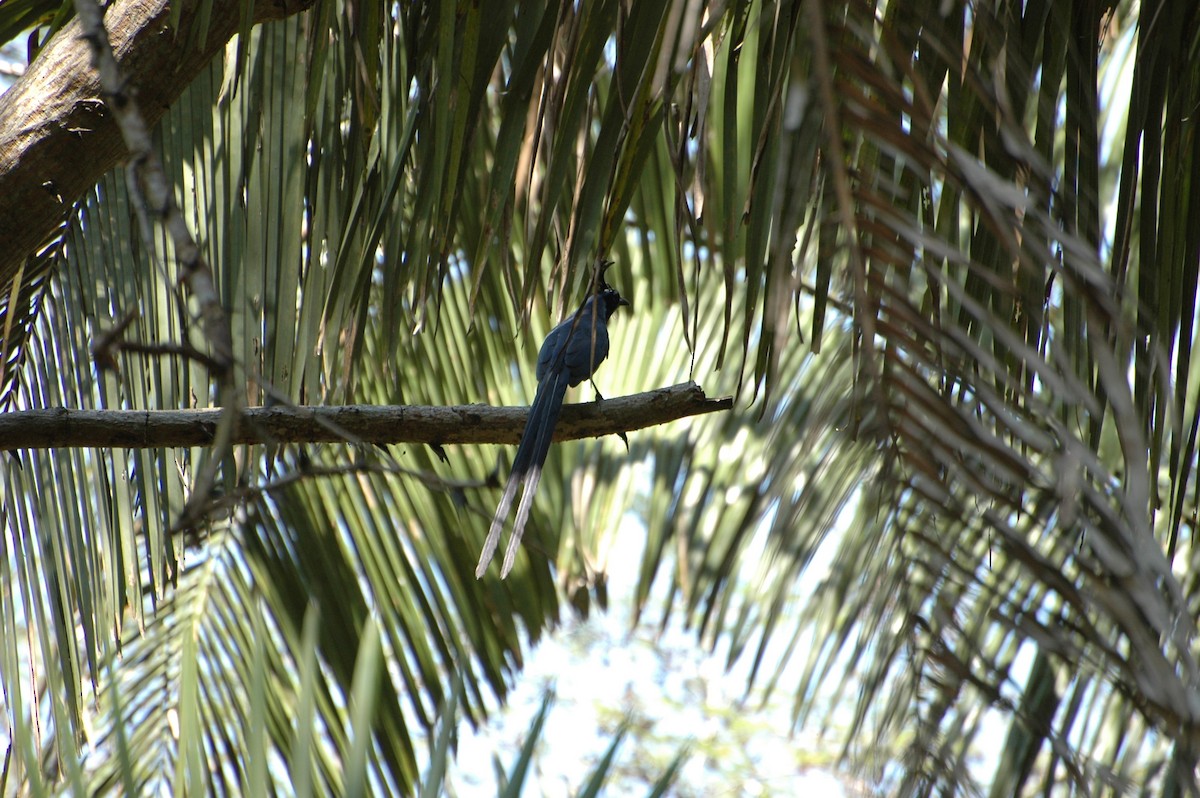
136, 429
153, 192
150, 178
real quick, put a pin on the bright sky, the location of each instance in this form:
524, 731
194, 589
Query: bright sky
673, 690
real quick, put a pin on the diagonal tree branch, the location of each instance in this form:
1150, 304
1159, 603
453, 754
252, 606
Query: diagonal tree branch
150, 178
150, 181
135, 429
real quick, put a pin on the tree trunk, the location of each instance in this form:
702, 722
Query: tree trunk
56, 137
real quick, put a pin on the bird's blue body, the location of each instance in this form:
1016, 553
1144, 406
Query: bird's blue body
569, 355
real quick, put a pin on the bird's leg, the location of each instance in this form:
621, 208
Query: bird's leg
600, 398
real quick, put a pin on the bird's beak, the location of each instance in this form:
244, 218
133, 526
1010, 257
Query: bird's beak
623, 301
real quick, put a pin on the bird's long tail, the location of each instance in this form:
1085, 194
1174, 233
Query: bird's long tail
527, 470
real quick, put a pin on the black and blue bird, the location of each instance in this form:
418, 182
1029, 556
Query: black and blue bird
569, 355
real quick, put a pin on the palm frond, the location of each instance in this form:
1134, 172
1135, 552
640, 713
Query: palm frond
949, 276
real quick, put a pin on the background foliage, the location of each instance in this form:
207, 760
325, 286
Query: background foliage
943, 253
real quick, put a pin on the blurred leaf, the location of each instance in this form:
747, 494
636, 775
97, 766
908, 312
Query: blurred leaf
514, 782
983, 215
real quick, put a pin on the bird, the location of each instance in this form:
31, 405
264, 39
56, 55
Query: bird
569, 355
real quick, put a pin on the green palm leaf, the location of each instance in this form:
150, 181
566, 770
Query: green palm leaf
947, 271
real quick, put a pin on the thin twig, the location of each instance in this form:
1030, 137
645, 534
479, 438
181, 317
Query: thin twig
157, 198
240, 496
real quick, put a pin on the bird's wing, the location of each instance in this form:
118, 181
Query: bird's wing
587, 347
